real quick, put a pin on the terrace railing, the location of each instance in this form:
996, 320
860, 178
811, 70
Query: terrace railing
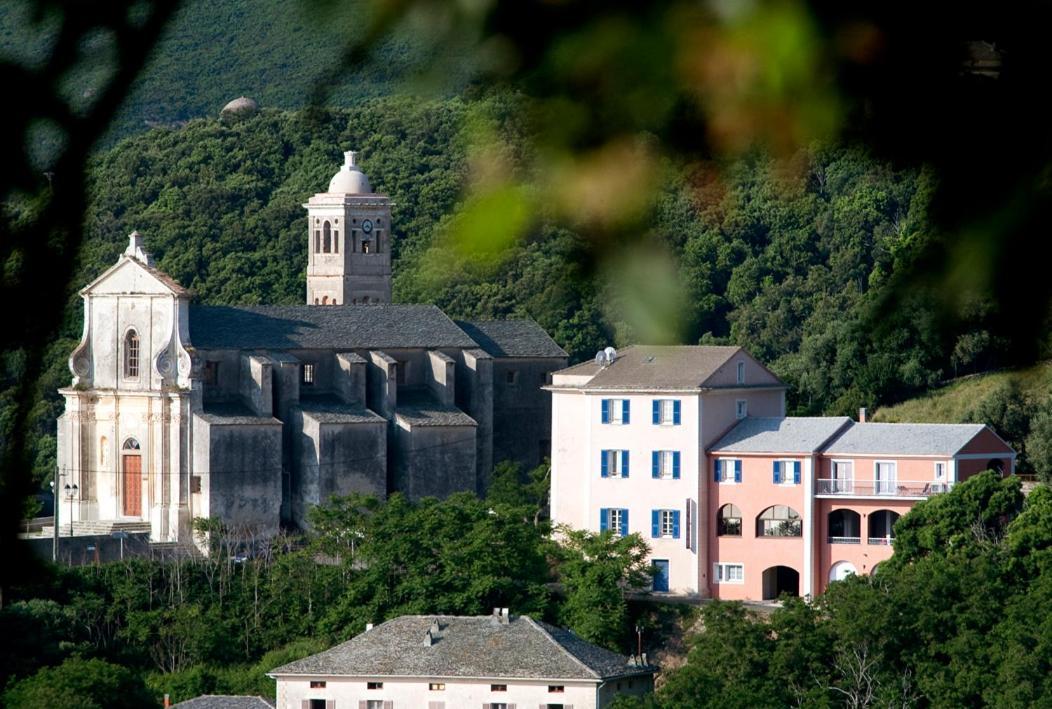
880, 488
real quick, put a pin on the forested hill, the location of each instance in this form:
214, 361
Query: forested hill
274, 51
788, 263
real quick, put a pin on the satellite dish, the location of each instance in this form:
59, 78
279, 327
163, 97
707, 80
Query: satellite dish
611, 354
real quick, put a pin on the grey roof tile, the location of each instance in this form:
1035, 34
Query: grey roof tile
904, 438
794, 434
648, 367
233, 415
419, 408
467, 646
224, 701
512, 338
350, 327
331, 409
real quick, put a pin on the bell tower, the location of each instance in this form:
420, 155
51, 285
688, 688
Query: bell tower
348, 241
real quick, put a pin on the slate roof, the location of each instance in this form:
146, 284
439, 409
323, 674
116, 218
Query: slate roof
233, 414
330, 409
284, 327
795, 434
467, 646
224, 701
647, 367
512, 338
904, 438
419, 408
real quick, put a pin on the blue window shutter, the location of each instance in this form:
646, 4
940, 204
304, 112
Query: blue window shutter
675, 465
675, 412
604, 519
606, 411
796, 472
624, 464
655, 523
624, 411
657, 411
675, 524
624, 523
655, 464
777, 472
737, 471
715, 470
604, 470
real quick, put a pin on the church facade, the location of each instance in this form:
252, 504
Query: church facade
253, 415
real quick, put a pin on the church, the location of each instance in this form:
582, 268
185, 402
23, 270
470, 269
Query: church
253, 415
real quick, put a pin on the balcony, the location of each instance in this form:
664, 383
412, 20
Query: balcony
879, 488
845, 540
881, 541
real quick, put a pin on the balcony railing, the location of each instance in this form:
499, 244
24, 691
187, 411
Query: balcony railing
877, 541
880, 488
845, 540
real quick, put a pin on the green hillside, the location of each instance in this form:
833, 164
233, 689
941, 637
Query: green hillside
957, 400
271, 50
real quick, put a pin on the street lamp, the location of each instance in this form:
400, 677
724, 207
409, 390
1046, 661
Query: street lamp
71, 492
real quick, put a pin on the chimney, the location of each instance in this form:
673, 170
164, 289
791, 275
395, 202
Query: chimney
435, 627
350, 158
368, 627
862, 415
429, 639
504, 618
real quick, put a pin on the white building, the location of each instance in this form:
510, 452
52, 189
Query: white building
628, 445
461, 662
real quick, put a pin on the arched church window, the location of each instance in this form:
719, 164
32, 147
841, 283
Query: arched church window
326, 237
131, 355
131, 445
336, 241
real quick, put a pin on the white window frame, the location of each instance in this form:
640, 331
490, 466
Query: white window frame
720, 576
727, 471
741, 371
665, 464
613, 520
885, 487
845, 485
741, 408
666, 412
940, 476
617, 411
307, 378
667, 524
613, 462
788, 467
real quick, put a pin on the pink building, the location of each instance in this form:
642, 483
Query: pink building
760, 504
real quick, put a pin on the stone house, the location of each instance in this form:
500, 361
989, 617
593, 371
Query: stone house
458, 662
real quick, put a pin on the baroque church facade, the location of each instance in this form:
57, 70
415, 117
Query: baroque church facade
253, 415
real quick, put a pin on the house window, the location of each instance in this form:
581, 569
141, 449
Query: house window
729, 521
786, 472
728, 573
665, 464
615, 411
211, 373
511, 377
319, 704
779, 521
556, 688
940, 472
665, 524
741, 408
741, 372
498, 688
666, 412
884, 477
131, 355
374, 685
613, 464
727, 470
308, 375
437, 686
614, 519
316, 684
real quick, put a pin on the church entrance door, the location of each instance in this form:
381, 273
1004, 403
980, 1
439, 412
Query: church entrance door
132, 485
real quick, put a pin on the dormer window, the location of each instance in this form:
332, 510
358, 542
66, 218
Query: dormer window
131, 355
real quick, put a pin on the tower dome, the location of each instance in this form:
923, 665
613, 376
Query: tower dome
350, 179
